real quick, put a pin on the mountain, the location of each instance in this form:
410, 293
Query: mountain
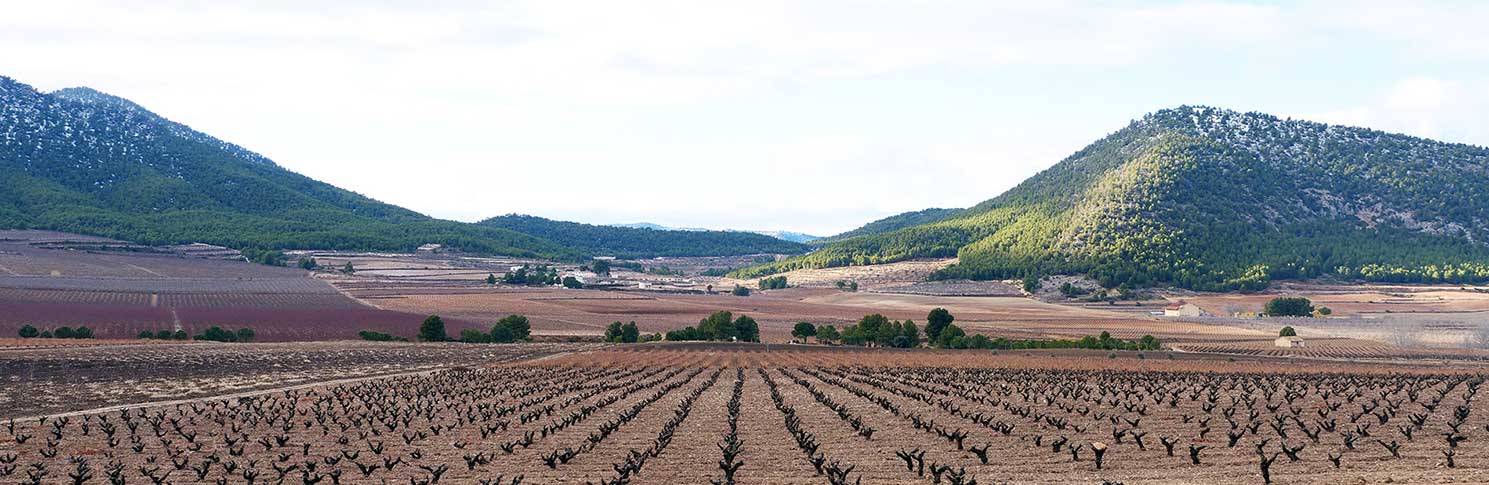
635, 242
1213, 199
893, 223
795, 237
82, 161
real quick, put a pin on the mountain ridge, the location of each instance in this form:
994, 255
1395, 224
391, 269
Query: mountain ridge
1139, 207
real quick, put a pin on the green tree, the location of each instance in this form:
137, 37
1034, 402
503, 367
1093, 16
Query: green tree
853, 286
511, 328
63, 332
936, 321
246, 334
1287, 332
1289, 307
949, 337
802, 330
572, 283
83, 332
145, 335
629, 333
911, 334
740, 291
433, 330
746, 328
601, 267
473, 336
180, 335
28, 331
1325, 311
490, 279
1031, 284
718, 326
165, 335
308, 263
613, 332
828, 334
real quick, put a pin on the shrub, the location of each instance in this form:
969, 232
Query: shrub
28, 331
1289, 307
1287, 332
773, 283
45, 334
828, 334
179, 335
165, 335
433, 330
740, 291
146, 335
82, 332
376, 336
473, 336
246, 334
1325, 311
219, 334
511, 328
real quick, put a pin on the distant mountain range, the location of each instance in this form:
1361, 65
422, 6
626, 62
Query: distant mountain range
644, 242
795, 237
82, 161
1213, 199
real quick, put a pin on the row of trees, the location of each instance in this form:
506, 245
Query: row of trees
720, 326
511, 328
219, 334
28, 331
376, 336
627, 333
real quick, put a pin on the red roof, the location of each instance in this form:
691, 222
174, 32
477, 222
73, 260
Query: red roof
1176, 306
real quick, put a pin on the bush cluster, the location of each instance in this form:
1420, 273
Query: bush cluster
720, 326
28, 331
773, 283
375, 336
163, 335
219, 334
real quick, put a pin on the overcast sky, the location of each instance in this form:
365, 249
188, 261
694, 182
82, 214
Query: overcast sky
812, 116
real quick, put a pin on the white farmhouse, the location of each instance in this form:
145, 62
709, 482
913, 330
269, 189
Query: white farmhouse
1290, 342
1182, 309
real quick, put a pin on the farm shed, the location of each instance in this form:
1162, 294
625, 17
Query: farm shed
1290, 342
1182, 309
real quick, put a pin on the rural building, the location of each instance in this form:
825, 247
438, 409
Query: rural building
1182, 309
1290, 342
428, 249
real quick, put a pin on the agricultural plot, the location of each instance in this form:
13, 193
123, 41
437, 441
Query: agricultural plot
786, 417
97, 376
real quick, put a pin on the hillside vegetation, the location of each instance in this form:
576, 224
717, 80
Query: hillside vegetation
627, 242
81, 161
892, 223
1213, 199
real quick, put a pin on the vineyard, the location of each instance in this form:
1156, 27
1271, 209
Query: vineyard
763, 415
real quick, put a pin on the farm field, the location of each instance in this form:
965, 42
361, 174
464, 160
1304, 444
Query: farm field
108, 373
576, 312
757, 414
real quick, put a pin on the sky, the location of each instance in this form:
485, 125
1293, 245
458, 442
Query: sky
771, 115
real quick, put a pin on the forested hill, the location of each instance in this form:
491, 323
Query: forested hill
1213, 199
629, 242
82, 161
892, 223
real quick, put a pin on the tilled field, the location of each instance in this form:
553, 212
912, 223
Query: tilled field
36, 381
760, 419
